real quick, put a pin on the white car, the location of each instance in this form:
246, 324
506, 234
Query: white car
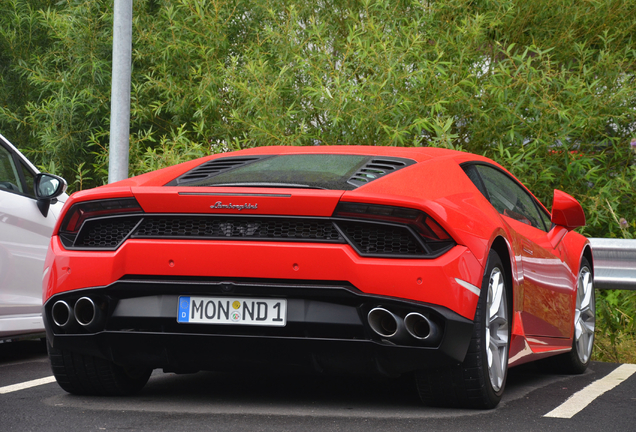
30, 203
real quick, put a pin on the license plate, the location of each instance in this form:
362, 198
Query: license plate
228, 310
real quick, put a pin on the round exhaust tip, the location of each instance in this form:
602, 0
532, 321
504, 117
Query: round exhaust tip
85, 311
61, 313
417, 325
383, 322
420, 327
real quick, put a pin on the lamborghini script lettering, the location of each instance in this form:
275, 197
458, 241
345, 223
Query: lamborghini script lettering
246, 206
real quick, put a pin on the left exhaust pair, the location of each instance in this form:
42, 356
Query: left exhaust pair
85, 313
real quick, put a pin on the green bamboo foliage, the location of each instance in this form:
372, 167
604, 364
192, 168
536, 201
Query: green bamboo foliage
545, 87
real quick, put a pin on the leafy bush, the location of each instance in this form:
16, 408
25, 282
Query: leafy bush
544, 87
616, 335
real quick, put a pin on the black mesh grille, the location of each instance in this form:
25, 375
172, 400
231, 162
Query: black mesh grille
238, 227
368, 238
105, 233
371, 238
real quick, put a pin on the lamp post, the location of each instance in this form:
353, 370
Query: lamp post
120, 92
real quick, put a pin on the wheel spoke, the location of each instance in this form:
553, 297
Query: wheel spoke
498, 321
496, 354
488, 350
497, 369
587, 315
584, 317
587, 291
588, 326
578, 329
496, 329
583, 346
498, 342
497, 287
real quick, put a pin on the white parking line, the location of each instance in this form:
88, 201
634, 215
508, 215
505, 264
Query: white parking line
579, 400
26, 385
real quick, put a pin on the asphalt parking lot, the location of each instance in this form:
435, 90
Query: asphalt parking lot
290, 401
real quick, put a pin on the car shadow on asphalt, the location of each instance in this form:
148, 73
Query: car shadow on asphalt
252, 392
22, 350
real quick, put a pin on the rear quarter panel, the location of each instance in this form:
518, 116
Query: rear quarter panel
442, 190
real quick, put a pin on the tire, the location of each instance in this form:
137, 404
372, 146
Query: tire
480, 380
87, 375
577, 360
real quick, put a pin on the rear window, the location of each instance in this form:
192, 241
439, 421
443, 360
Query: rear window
316, 171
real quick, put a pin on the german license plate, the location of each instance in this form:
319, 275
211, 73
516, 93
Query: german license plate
228, 310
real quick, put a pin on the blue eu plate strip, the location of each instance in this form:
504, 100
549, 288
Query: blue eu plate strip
184, 309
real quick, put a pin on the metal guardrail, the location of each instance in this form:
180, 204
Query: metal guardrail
614, 263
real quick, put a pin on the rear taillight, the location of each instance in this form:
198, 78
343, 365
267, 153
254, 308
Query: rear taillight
82, 211
419, 221
83, 226
371, 230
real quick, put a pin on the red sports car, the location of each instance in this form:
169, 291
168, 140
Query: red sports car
392, 260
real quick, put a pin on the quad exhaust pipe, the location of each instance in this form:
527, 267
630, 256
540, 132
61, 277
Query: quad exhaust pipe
385, 323
62, 314
393, 327
85, 313
421, 328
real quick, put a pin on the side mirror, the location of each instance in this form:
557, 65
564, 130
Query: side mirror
566, 211
48, 187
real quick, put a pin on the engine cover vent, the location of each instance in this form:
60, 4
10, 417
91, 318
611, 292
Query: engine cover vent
376, 168
214, 167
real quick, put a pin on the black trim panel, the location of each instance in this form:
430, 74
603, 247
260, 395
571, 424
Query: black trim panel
325, 321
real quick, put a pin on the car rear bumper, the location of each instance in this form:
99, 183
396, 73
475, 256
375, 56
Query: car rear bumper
434, 281
327, 328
